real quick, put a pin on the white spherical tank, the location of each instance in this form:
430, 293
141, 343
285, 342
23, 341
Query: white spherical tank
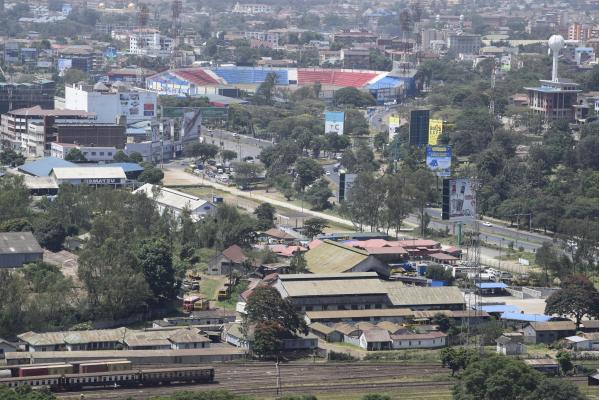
556, 42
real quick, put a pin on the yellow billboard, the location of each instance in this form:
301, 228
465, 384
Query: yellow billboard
393, 123
436, 127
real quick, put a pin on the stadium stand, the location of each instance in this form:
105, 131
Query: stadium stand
249, 75
196, 76
335, 77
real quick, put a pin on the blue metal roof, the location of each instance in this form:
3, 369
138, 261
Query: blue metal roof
525, 317
491, 285
43, 166
500, 309
386, 82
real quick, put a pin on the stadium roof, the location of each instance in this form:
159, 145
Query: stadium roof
43, 166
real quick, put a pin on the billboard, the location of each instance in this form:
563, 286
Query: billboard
439, 160
418, 134
393, 123
458, 199
334, 122
436, 128
345, 184
63, 64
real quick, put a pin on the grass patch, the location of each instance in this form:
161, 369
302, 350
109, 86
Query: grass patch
409, 355
209, 287
230, 303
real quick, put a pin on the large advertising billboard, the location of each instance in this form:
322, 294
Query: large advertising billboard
334, 122
418, 128
393, 124
458, 199
439, 160
436, 128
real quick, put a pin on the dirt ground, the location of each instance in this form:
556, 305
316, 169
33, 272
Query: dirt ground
66, 261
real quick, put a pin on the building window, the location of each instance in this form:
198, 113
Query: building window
93, 153
101, 153
109, 153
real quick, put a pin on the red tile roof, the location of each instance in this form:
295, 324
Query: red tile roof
234, 253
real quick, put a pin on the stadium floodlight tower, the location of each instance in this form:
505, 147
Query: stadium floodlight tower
555, 44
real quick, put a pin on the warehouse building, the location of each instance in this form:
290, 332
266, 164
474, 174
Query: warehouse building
363, 291
94, 176
18, 248
177, 201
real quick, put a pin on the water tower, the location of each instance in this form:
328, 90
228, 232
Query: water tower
555, 44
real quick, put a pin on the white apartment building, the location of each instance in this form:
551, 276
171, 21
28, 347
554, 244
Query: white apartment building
110, 103
149, 42
95, 154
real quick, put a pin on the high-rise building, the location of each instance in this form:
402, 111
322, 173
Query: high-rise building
23, 95
418, 134
464, 44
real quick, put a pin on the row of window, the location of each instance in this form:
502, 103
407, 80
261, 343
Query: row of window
109, 153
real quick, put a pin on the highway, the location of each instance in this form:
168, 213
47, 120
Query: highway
244, 146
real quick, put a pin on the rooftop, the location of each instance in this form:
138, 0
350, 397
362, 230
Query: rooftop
19, 243
89, 173
375, 313
171, 198
553, 326
43, 166
37, 111
405, 296
333, 257
525, 317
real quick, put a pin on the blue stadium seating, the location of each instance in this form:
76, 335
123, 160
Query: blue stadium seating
249, 75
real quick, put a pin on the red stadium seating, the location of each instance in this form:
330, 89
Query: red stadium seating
196, 76
334, 77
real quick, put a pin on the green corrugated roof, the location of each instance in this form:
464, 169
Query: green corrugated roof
333, 257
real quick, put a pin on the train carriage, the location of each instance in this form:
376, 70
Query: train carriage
176, 375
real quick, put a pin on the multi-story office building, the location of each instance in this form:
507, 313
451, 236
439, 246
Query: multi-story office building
464, 44
23, 95
149, 42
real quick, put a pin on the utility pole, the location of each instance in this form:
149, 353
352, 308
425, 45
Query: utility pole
279, 391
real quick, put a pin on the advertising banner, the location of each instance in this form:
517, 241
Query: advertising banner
393, 123
436, 128
439, 160
64, 64
334, 122
458, 199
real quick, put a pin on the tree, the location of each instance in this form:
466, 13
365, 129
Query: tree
268, 338
154, 259
285, 185
151, 175
298, 263
264, 93
556, 389
228, 155
204, 151
353, 97
11, 157
442, 321
375, 396
50, 233
265, 213
318, 194
314, 227
547, 258
564, 360
307, 171
265, 304
120, 156
136, 157
438, 273
455, 359
73, 75
574, 300
246, 173
16, 225
75, 155
497, 377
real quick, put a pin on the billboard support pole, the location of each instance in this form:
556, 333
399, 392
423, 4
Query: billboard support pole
459, 235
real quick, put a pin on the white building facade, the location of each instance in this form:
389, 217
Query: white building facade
110, 104
151, 43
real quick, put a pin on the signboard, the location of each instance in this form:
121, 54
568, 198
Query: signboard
130, 103
393, 123
436, 127
458, 199
207, 113
110, 52
63, 64
102, 181
334, 122
419, 128
439, 160
345, 184
523, 261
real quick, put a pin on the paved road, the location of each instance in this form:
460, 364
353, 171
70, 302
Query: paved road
244, 146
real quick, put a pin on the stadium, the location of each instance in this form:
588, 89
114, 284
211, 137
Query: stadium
385, 86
